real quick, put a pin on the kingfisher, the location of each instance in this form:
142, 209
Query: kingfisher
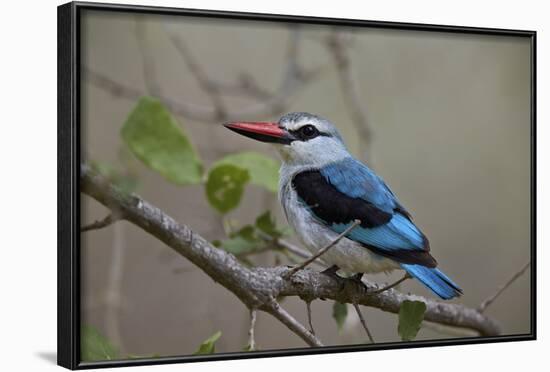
323, 190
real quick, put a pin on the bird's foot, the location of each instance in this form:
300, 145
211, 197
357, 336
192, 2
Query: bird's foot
331, 271
357, 280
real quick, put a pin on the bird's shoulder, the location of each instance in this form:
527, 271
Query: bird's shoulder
332, 204
357, 180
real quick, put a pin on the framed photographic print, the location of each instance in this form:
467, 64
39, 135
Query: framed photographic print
237, 185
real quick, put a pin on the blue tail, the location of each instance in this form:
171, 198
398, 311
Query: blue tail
434, 279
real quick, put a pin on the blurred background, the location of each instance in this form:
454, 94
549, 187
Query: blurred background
443, 118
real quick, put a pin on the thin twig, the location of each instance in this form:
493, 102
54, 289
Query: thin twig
489, 300
251, 339
206, 84
350, 89
293, 78
114, 294
149, 73
322, 251
99, 224
309, 320
360, 315
449, 331
392, 285
283, 244
284, 317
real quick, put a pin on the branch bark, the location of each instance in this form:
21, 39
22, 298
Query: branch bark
258, 287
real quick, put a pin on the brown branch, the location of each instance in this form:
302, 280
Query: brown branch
99, 224
251, 330
284, 317
363, 323
249, 286
489, 300
309, 318
258, 287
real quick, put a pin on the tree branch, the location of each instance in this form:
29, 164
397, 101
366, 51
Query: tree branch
99, 224
259, 287
363, 323
293, 78
208, 85
284, 317
489, 300
251, 331
309, 318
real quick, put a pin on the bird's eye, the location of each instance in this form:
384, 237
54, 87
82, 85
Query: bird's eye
308, 131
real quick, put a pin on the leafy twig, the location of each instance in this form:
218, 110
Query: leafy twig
258, 287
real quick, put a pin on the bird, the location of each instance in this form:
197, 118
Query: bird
323, 190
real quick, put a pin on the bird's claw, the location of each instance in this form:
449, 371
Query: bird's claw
331, 271
357, 280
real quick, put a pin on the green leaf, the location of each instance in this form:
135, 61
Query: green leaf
238, 245
243, 241
267, 225
263, 170
209, 345
94, 346
155, 137
339, 313
225, 186
411, 315
247, 232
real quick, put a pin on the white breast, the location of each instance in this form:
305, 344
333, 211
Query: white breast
346, 254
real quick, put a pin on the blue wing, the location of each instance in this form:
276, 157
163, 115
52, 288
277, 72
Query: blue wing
348, 190
356, 180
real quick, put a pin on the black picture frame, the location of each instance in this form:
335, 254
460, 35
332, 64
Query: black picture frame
69, 84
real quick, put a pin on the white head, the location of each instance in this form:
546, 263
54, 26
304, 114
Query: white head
301, 138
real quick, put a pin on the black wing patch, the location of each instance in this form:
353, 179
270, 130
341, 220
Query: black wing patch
331, 206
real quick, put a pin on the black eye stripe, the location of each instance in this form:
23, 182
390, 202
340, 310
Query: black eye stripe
307, 132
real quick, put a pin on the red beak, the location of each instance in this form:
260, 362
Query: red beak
264, 132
